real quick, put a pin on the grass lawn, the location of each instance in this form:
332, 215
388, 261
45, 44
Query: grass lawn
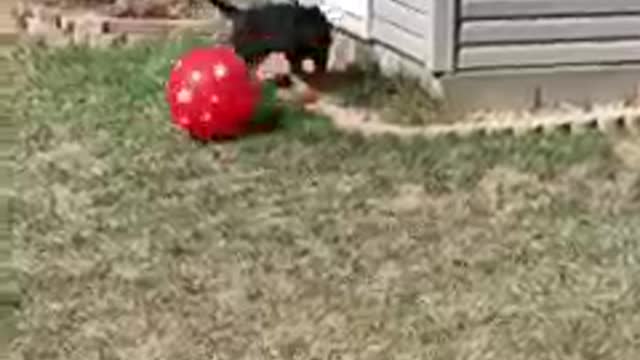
136, 243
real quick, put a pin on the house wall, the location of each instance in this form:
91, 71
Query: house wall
446, 36
402, 25
354, 15
397, 32
534, 33
503, 53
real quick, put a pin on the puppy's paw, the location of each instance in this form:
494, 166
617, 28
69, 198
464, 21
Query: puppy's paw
308, 66
275, 66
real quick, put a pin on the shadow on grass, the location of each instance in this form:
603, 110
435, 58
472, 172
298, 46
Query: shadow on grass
398, 98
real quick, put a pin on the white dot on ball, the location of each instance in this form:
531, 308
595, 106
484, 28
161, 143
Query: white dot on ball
214, 99
184, 121
184, 96
219, 71
206, 116
196, 76
178, 65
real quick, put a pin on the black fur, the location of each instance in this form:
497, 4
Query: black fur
301, 32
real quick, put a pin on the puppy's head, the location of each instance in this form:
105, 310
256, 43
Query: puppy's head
315, 27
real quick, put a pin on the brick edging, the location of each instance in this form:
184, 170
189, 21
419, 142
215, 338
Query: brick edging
57, 26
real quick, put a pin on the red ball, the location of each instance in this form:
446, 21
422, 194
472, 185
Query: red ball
211, 93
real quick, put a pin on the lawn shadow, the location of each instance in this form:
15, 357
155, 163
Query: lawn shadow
399, 98
335, 82
283, 119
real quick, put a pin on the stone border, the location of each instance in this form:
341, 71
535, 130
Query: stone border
606, 120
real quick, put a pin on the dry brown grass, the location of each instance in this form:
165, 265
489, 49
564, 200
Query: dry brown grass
309, 244
397, 99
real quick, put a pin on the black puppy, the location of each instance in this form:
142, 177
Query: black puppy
301, 32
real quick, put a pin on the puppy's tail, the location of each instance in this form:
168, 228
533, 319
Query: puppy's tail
225, 8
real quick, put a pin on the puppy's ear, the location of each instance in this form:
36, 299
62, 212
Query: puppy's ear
315, 9
330, 13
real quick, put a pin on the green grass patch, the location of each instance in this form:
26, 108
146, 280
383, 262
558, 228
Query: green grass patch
308, 243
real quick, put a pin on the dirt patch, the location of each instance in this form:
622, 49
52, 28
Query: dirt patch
628, 151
